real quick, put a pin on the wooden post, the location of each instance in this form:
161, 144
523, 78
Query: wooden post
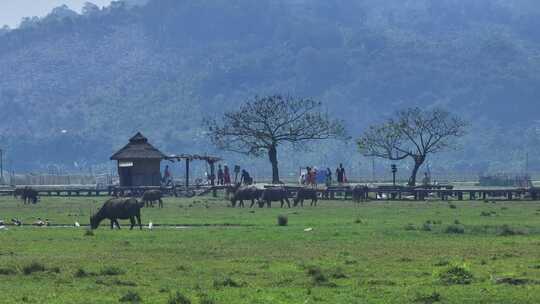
213, 177
187, 173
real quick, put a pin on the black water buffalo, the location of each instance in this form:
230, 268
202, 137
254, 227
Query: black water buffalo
27, 194
231, 189
306, 193
151, 196
360, 193
242, 194
118, 208
270, 195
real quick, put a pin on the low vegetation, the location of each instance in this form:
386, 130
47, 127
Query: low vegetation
282, 220
459, 274
252, 260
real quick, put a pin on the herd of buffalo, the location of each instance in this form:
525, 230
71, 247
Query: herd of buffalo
130, 208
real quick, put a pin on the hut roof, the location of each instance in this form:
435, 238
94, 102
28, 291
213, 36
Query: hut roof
138, 148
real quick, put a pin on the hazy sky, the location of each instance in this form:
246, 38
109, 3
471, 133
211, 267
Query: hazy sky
11, 11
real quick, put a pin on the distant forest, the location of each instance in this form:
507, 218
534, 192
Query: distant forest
74, 87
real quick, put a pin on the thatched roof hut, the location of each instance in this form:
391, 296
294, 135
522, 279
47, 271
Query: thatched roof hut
139, 163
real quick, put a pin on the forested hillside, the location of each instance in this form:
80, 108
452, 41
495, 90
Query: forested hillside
74, 87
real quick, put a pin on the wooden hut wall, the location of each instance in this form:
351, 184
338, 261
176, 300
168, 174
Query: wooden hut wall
145, 172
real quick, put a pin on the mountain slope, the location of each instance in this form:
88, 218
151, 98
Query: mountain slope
161, 67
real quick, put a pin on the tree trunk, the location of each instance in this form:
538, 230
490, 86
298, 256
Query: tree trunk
272, 155
418, 162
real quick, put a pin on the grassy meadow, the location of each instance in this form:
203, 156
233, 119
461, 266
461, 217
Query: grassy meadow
376, 252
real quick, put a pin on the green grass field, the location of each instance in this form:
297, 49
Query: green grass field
378, 252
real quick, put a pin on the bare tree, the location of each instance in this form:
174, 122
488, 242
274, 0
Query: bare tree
413, 133
260, 125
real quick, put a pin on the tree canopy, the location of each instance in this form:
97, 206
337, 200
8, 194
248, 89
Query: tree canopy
412, 133
260, 125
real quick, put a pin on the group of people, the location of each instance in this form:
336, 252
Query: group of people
223, 176
313, 176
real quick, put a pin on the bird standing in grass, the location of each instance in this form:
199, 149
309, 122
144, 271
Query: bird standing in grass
77, 224
150, 225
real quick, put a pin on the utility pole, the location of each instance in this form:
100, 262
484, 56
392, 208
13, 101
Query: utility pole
1, 167
527, 163
394, 170
373, 169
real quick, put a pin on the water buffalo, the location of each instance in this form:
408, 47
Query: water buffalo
118, 208
245, 193
360, 193
306, 193
150, 196
27, 194
273, 195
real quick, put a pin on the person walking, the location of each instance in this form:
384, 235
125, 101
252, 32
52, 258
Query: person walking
245, 178
166, 176
328, 177
220, 175
226, 175
340, 173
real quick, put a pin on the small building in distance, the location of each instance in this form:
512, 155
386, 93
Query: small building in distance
139, 163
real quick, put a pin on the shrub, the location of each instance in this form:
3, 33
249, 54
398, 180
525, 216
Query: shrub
226, 282
123, 283
452, 206
178, 298
131, 297
506, 230
426, 227
512, 281
338, 273
381, 282
456, 275
8, 271
317, 275
457, 222
81, 273
111, 271
206, 300
455, 229
282, 220
33, 267
428, 299
409, 227
441, 263
89, 232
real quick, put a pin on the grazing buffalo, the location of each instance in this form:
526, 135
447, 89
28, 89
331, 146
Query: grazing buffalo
27, 194
273, 195
249, 193
151, 196
360, 193
306, 193
231, 189
118, 208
